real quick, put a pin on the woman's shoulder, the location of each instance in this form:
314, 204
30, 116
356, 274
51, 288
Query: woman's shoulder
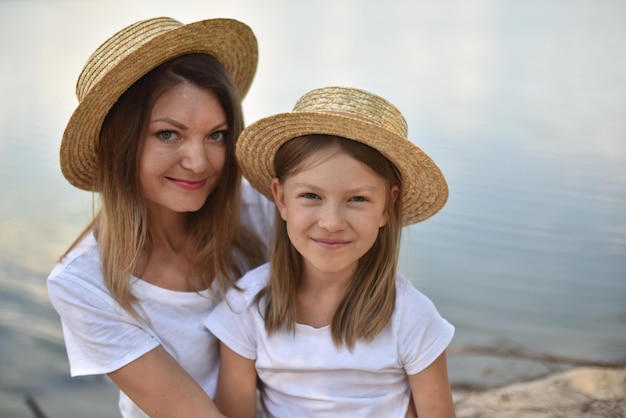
252, 199
257, 212
84, 256
76, 281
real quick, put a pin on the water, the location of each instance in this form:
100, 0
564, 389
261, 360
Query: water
521, 104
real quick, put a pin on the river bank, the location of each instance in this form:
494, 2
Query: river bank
585, 392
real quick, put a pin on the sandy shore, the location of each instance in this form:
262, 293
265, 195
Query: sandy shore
586, 392
582, 392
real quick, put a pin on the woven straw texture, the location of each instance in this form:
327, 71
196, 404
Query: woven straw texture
354, 114
130, 54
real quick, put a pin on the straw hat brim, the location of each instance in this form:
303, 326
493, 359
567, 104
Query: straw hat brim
231, 42
425, 190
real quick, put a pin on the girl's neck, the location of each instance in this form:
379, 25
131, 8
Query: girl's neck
323, 282
318, 297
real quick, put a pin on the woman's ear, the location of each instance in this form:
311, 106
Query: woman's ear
278, 191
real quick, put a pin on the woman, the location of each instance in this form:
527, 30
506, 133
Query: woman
154, 136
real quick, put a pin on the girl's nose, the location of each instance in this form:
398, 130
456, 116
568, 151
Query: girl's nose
332, 218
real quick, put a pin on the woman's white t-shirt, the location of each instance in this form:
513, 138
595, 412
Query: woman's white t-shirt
304, 374
101, 337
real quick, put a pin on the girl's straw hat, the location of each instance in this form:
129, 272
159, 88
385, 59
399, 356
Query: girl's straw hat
353, 114
130, 54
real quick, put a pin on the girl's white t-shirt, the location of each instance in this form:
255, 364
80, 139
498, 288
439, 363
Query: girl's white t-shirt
101, 337
304, 374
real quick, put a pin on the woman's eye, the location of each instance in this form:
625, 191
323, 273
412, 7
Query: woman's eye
167, 135
359, 199
218, 136
309, 195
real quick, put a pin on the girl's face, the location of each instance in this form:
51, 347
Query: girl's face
184, 151
333, 209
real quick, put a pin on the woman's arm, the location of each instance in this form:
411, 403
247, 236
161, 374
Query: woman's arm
236, 386
162, 388
431, 390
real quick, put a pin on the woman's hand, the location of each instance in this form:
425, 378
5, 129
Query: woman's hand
162, 388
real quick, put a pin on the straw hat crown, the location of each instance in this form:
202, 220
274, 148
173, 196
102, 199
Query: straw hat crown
353, 114
118, 47
130, 54
356, 103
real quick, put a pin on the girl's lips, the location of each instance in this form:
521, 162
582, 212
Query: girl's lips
188, 184
330, 244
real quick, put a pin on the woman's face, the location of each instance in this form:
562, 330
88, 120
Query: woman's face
184, 150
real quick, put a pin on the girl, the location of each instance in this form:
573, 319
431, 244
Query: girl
329, 326
154, 135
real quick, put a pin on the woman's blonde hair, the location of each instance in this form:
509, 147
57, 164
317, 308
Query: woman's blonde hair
370, 297
120, 224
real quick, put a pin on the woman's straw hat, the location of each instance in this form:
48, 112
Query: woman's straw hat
353, 114
130, 54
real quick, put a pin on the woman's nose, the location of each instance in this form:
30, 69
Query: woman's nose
194, 156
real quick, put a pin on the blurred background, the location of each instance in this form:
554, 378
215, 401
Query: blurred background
522, 104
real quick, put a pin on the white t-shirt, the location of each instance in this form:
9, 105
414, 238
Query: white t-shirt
305, 375
101, 337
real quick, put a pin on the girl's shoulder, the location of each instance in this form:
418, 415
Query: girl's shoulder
408, 297
255, 279
249, 286
404, 285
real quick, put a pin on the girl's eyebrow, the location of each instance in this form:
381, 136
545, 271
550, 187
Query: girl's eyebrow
365, 188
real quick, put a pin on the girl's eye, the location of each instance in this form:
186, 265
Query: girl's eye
359, 199
309, 195
167, 135
218, 136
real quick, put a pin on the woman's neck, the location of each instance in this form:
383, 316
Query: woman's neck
167, 230
168, 262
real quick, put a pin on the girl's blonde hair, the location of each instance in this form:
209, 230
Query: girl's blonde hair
120, 224
370, 298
